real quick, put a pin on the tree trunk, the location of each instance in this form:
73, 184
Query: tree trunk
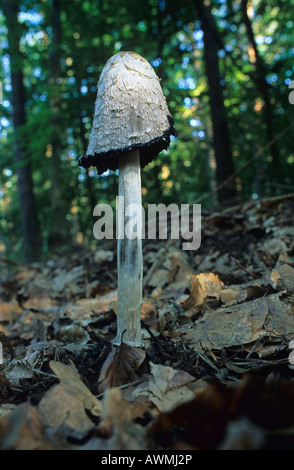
28, 212
221, 138
58, 219
263, 88
84, 144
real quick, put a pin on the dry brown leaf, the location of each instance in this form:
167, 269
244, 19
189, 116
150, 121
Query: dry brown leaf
5, 386
64, 406
232, 295
204, 421
256, 291
103, 256
120, 367
202, 286
22, 366
280, 320
159, 278
39, 302
117, 420
166, 387
6, 408
242, 324
18, 370
149, 314
9, 311
72, 334
67, 280
20, 429
85, 309
242, 434
286, 273
274, 278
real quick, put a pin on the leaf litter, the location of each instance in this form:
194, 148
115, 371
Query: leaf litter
215, 371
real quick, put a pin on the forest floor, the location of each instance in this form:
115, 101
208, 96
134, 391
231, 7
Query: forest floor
215, 371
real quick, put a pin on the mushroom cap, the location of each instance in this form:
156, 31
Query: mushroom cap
131, 113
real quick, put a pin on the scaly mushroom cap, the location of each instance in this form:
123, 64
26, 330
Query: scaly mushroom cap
130, 114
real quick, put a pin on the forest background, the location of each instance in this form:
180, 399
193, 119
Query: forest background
226, 69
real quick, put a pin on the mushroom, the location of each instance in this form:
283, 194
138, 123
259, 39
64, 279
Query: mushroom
131, 125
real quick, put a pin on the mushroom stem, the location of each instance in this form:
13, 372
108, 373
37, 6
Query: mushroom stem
129, 251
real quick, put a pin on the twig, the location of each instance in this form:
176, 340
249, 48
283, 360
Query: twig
122, 387
38, 371
244, 269
205, 359
155, 340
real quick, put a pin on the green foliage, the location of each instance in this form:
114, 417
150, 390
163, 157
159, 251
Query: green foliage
168, 34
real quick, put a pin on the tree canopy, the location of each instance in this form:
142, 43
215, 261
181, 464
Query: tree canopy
225, 68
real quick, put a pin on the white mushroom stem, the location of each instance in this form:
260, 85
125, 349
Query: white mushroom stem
129, 251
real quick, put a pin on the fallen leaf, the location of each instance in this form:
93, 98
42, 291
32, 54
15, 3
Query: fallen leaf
17, 371
89, 309
286, 273
275, 277
67, 280
202, 286
39, 302
242, 434
20, 429
233, 295
5, 386
159, 278
123, 433
6, 408
166, 388
120, 367
102, 256
9, 311
205, 421
255, 291
241, 324
66, 406
148, 314
21, 367
72, 334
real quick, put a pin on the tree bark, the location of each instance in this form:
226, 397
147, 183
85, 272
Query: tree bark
84, 144
221, 137
263, 88
58, 219
28, 212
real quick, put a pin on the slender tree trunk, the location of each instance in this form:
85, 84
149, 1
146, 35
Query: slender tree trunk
58, 219
89, 181
263, 88
221, 138
84, 144
28, 212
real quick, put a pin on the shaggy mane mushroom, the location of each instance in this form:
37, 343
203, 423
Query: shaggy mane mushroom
131, 126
